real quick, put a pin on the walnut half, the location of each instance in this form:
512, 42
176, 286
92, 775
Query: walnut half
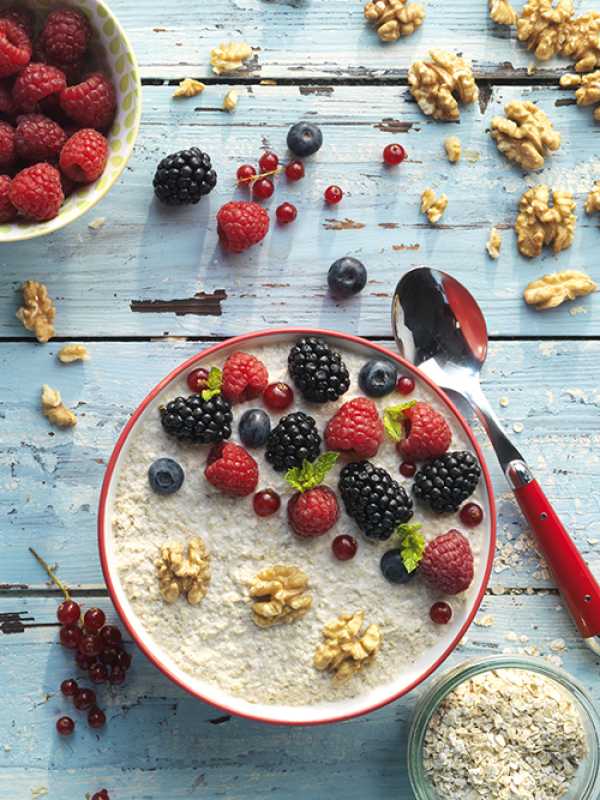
229, 56
502, 12
592, 201
588, 89
538, 223
394, 19
440, 83
525, 135
347, 647
580, 40
540, 26
37, 312
183, 574
552, 290
279, 594
433, 207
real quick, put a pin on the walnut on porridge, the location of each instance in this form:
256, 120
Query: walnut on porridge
279, 595
539, 223
551, 290
394, 19
525, 135
181, 574
348, 647
440, 83
433, 207
38, 311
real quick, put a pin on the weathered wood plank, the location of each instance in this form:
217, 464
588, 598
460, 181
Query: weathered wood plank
51, 479
298, 39
160, 742
146, 253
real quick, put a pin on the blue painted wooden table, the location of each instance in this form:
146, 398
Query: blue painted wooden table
319, 61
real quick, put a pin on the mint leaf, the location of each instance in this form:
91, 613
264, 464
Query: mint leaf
311, 473
393, 420
412, 545
213, 383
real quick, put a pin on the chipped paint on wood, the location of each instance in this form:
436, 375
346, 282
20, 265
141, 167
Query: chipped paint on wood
202, 303
342, 225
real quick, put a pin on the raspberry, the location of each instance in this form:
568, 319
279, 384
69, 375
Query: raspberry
20, 16
241, 224
84, 156
244, 378
91, 103
356, 427
7, 211
447, 563
7, 145
73, 72
15, 48
426, 433
38, 138
7, 104
65, 36
231, 469
314, 512
36, 192
36, 82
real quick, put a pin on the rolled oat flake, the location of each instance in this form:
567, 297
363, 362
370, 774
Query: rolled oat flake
507, 734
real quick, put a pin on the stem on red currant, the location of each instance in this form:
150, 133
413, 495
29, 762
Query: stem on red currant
253, 178
51, 574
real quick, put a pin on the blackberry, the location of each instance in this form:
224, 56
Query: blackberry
184, 177
197, 420
294, 439
317, 370
446, 482
376, 502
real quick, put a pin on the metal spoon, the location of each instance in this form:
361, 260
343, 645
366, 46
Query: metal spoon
439, 327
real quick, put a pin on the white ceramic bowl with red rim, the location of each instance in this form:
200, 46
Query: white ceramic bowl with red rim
321, 712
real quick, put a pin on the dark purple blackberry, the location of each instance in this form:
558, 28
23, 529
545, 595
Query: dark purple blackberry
318, 371
196, 420
184, 177
294, 440
376, 502
446, 482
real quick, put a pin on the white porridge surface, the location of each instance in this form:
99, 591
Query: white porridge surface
217, 641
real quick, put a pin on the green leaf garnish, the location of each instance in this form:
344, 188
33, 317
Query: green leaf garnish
412, 545
213, 383
393, 420
311, 473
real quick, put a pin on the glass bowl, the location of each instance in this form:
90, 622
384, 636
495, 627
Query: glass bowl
585, 786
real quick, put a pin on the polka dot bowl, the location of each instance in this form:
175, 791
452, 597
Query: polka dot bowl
112, 54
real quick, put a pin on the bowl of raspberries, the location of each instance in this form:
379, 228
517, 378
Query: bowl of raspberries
70, 103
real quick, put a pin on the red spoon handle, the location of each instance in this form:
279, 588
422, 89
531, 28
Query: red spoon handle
572, 575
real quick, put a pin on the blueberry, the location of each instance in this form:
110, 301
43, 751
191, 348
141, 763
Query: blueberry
304, 139
377, 377
254, 427
393, 569
346, 276
165, 476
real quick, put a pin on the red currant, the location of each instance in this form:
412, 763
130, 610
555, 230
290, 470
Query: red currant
91, 645
84, 662
394, 154
69, 687
266, 503
111, 635
294, 171
197, 380
440, 613
263, 189
68, 612
96, 717
84, 699
70, 636
94, 619
278, 396
98, 673
344, 547
268, 162
286, 212
65, 726
471, 515
123, 659
101, 795
333, 195
407, 469
405, 385
109, 656
117, 675
245, 173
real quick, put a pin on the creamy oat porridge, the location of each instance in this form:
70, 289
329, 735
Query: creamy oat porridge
216, 638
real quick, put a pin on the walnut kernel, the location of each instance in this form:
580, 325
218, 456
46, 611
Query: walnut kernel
183, 574
37, 312
73, 352
580, 40
394, 19
540, 26
433, 207
552, 290
347, 648
502, 12
279, 594
540, 224
55, 410
525, 135
592, 201
453, 149
230, 100
588, 92
189, 87
436, 84
494, 243
229, 56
